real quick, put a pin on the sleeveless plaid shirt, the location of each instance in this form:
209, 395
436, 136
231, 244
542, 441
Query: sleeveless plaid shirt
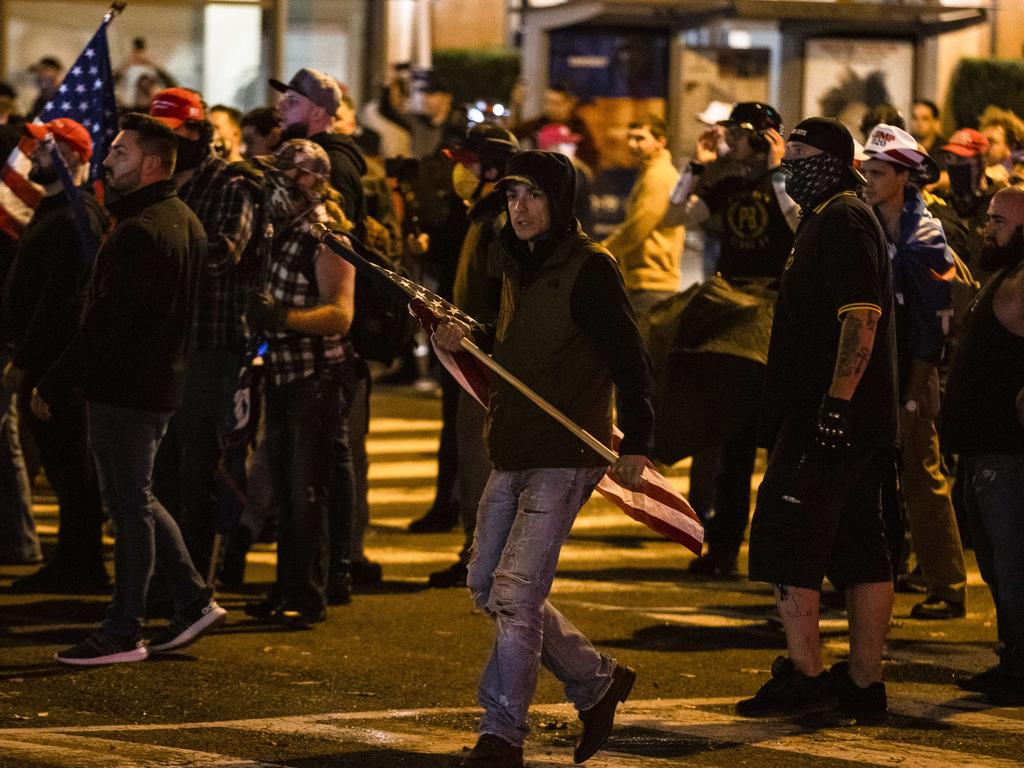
290, 277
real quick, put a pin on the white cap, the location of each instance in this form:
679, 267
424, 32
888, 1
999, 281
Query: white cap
894, 145
715, 112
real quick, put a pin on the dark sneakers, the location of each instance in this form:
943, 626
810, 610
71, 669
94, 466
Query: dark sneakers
864, 705
788, 691
101, 648
998, 686
598, 720
713, 566
201, 616
493, 752
938, 609
453, 576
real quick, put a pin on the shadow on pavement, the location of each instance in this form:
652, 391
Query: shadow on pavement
378, 758
689, 638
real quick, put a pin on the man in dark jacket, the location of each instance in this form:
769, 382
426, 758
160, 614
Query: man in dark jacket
221, 197
307, 109
128, 358
43, 299
566, 329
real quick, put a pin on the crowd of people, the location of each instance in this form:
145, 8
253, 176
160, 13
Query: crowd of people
887, 349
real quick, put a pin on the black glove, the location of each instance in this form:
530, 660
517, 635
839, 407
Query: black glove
265, 314
832, 433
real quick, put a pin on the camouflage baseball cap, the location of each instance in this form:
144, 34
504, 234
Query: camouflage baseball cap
304, 155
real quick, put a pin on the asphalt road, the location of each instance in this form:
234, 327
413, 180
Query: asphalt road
390, 680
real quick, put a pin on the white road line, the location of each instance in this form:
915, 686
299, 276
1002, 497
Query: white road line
64, 750
403, 426
411, 729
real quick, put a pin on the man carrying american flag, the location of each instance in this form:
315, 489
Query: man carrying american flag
566, 329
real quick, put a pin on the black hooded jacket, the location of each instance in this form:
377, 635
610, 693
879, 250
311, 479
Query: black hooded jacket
347, 168
601, 316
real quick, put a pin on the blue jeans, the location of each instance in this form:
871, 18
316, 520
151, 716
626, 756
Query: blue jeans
523, 519
994, 497
124, 442
304, 427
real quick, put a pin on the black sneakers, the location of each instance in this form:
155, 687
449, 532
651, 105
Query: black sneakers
202, 616
101, 648
453, 576
598, 720
713, 566
864, 705
938, 609
493, 752
998, 685
788, 691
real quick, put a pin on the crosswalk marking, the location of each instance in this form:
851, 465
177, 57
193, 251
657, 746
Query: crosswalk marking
672, 721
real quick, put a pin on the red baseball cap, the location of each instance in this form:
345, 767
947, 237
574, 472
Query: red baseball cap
67, 130
175, 106
967, 142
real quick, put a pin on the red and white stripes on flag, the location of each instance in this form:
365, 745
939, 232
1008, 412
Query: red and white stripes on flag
659, 505
18, 196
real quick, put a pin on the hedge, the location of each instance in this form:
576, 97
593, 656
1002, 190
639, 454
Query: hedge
980, 82
478, 73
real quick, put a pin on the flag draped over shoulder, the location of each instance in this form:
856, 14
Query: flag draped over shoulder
87, 96
659, 505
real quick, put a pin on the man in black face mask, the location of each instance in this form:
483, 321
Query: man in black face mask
969, 191
828, 418
983, 421
222, 199
43, 302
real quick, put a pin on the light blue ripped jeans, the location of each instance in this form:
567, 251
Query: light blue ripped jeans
523, 519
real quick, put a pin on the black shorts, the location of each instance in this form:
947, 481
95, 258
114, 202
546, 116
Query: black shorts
819, 515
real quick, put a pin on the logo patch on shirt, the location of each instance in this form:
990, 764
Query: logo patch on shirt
789, 259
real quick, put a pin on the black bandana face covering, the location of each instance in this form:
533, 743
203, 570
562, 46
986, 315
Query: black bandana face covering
809, 178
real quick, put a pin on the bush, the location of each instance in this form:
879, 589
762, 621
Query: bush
980, 82
478, 73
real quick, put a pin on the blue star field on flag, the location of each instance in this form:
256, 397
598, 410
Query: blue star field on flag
87, 95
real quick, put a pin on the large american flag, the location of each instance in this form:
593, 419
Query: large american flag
86, 95
659, 505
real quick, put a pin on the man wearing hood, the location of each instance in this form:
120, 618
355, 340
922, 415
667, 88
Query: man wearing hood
829, 421
922, 273
566, 329
307, 109
222, 199
983, 421
479, 162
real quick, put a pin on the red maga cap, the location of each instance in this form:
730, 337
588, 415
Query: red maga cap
67, 130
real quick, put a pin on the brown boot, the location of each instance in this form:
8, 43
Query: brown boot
598, 720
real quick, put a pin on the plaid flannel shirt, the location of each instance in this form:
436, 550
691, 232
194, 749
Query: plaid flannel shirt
291, 279
223, 201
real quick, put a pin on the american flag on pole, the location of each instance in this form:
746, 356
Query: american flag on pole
659, 506
87, 96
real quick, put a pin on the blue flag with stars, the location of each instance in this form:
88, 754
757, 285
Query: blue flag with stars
87, 95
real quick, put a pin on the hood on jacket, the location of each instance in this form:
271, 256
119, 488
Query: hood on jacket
336, 142
555, 175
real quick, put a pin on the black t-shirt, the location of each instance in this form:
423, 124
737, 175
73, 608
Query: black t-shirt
754, 234
839, 262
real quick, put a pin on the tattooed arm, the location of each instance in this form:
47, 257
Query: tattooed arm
856, 339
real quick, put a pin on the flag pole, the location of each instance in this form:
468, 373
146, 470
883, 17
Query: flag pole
592, 442
115, 8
